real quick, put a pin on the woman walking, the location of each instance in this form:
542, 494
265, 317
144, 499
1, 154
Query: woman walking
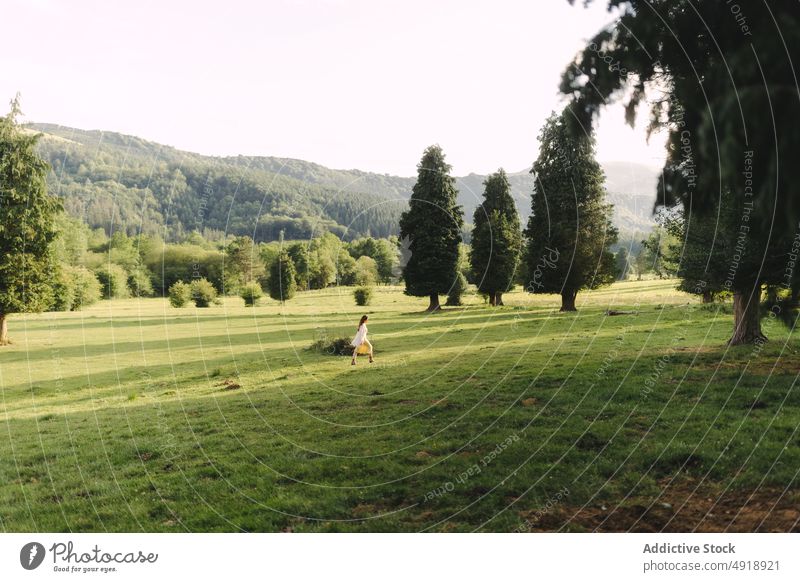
360, 343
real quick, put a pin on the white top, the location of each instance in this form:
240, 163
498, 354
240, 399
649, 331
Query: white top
360, 336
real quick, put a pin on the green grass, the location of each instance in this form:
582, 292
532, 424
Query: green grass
132, 415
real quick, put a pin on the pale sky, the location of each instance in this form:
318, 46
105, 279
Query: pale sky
345, 83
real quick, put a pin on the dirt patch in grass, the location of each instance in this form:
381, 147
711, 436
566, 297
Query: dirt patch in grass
681, 509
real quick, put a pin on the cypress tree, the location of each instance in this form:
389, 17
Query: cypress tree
27, 224
432, 225
569, 231
496, 239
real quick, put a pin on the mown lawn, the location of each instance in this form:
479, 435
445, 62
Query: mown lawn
133, 416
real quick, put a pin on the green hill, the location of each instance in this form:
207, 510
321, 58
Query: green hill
114, 181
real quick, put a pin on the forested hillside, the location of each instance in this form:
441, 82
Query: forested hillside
119, 182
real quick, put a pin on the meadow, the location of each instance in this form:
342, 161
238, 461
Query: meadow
135, 416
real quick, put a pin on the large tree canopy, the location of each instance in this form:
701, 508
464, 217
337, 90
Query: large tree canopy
27, 224
569, 231
721, 79
432, 225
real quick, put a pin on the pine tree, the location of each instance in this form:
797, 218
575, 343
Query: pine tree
569, 231
27, 224
282, 282
432, 225
496, 239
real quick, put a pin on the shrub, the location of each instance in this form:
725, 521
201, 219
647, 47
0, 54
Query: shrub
457, 291
203, 293
63, 291
251, 293
339, 346
113, 280
180, 294
140, 283
363, 295
86, 288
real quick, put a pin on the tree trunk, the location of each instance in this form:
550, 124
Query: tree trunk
4, 331
492, 299
434, 305
568, 300
498, 300
708, 297
746, 318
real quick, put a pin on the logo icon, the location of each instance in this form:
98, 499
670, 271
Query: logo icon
31, 555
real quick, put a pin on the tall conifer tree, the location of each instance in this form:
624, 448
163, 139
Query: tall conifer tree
432, 226
496, 239
569, 231
27, 224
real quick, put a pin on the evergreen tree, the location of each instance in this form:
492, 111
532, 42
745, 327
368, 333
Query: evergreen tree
432, 225
27, 224
282, 285
569, 231
726, 96
496, 239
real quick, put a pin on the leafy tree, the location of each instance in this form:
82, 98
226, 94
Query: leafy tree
27, 224
346, 268
382, 251
569, 231
63, 291
496, 239
139, 283
718, 83
299, 255
114, 281
366, 271
86, 288
432, 225
72, 244
282, 285
184, 262
656, 251
74, 287
242, 263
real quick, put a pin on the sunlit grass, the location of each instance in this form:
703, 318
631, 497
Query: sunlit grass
133, 415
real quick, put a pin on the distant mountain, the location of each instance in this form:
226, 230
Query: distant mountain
119, 181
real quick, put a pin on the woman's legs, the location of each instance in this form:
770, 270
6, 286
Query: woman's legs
370, 350
355, 353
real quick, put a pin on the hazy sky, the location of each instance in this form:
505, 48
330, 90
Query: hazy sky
346, 83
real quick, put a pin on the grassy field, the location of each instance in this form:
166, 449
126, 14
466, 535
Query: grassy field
133, 415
